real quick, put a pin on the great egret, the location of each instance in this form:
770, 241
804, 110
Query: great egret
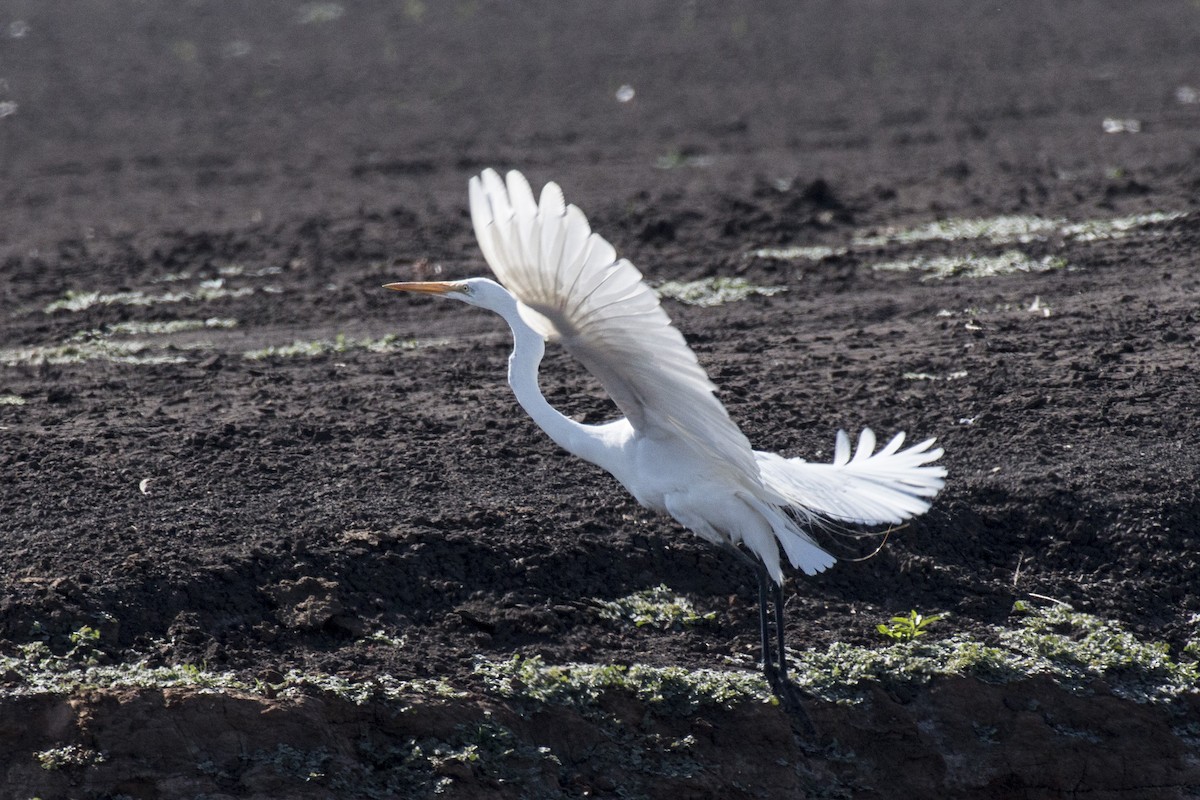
676, 450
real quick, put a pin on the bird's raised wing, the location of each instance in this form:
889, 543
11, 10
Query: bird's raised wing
572, 289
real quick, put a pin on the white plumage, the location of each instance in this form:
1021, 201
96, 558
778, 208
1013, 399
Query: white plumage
572, 288
676, 449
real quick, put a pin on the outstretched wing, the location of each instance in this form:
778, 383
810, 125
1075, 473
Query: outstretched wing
573, 289
869, 488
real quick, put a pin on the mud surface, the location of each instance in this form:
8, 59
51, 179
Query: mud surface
257, 173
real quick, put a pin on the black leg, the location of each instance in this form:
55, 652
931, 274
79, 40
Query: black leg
776, 673
789, 694
764, 625
764, 628
777, 592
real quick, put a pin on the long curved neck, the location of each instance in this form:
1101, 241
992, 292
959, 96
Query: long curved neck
585, 441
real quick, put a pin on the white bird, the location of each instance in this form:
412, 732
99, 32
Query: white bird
676, 450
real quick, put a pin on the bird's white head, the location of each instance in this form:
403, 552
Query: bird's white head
480, 292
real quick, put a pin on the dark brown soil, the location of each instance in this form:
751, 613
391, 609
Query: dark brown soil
260, 515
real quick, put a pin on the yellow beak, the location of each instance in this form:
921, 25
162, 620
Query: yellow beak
424, 287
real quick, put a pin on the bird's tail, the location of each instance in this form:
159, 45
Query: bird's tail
883, 488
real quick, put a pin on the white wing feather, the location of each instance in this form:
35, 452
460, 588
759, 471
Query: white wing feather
572, 289
887, 487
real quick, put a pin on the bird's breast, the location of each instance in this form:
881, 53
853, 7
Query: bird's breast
652, 470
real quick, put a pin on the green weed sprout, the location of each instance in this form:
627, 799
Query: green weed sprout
905, 629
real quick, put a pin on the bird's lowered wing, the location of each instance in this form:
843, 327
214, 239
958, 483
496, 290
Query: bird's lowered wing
870, 488
573, 289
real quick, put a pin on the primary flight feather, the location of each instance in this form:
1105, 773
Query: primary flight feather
676, 449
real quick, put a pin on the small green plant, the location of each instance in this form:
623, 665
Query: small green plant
85, 646
905, 629
85, 636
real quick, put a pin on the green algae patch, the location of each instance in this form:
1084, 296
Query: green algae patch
1007, 229
800, 252
205, 292
1077, 650
79, 349
972, 266
342, 344
378, 687
1015, 229
1118, 228
167, 327
714, 291
928, 376
672, 689
1011, 231
113, 343
658, 607
842, 672
38, 670
1074, 648
147, 343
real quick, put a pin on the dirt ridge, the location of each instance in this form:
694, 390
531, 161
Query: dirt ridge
955, 738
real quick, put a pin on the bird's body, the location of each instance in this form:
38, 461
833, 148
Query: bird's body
665, 473
676, 450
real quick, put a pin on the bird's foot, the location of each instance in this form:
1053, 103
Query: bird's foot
791, 699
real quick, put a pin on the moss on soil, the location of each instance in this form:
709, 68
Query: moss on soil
1075, 648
